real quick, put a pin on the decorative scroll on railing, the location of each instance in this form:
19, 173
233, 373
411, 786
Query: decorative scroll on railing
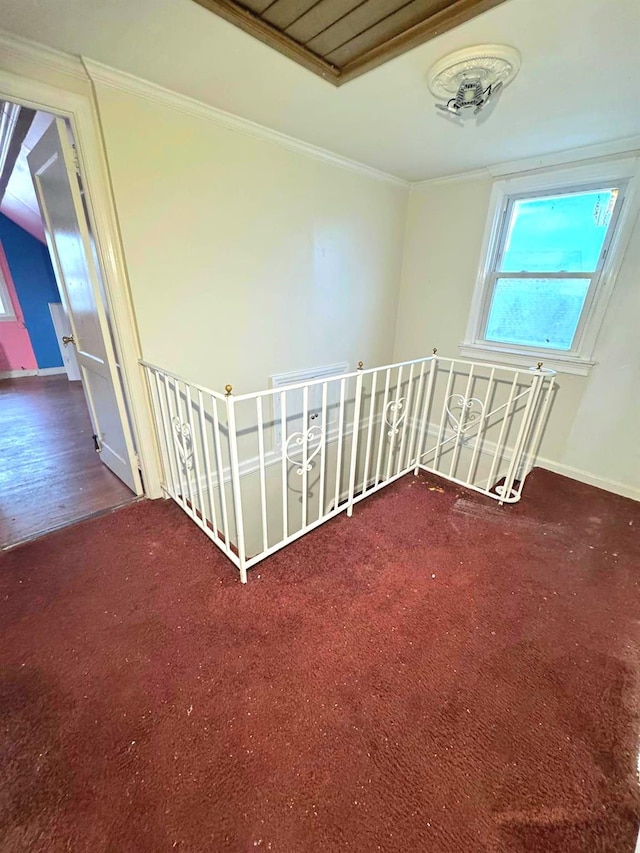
257, 471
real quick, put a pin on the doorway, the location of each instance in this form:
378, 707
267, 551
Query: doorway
67, 446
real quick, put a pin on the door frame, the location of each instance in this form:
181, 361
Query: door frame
70, 95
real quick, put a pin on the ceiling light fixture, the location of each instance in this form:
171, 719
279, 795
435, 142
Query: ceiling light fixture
467, 80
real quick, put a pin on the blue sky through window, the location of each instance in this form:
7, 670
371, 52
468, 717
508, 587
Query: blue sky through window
548, 235
558, 233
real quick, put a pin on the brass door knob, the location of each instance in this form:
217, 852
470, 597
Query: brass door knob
68, 339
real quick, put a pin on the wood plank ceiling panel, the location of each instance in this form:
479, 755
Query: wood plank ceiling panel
341, 39
378, 33
365, 16
257, 6
283, 13
318, 18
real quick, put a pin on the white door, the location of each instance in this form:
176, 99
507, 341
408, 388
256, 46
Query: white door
52, 166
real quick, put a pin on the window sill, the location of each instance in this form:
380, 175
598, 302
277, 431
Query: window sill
518, 358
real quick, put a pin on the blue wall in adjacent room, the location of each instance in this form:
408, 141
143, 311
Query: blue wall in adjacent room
36, 286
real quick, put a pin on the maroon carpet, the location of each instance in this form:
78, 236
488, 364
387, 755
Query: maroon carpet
435, 674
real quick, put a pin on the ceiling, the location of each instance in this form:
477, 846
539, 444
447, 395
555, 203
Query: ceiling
578, 84
342, 39
19, 201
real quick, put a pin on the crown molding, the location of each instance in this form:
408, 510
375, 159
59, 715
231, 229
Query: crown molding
39, 54
601, 151
471, 175
88, 70
615, 148
107, 76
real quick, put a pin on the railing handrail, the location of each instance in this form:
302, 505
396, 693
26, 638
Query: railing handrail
295, 386
175, 376
544, 371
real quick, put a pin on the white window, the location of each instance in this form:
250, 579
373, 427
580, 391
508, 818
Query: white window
6, 306
552, 248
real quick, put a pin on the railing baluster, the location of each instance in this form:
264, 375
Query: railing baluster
433, 369
354, 442
221, 480
336, 500
176, 425
392, 436
305, 453
367, 458
196, 457
415, 418
407, 409
481, 423
383, 425
185, 445
461, 422
323, 450
445, 403
284, 468
207, 464
166, 429
235, 484
263, 484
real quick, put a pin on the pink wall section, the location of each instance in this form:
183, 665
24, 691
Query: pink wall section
16, 352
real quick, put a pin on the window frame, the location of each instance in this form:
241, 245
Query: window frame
549, 182
5, 298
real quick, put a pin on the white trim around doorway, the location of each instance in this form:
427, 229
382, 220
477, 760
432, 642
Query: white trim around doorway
80, 110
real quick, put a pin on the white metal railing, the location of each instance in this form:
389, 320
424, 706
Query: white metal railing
257, 471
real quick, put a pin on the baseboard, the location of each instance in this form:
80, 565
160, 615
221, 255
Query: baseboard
578, 474
590, 479
42, 371
17, 374
50, 371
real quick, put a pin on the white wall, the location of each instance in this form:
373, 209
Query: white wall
592, 433
246, 258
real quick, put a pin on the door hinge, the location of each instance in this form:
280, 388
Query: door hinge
76, 161
96, 444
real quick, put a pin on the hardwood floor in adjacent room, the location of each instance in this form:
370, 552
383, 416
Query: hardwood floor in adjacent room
50, 474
